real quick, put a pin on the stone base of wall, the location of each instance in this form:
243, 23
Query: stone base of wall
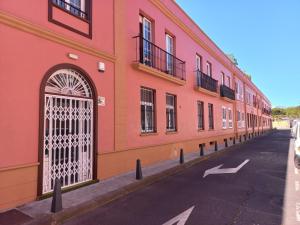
18, 185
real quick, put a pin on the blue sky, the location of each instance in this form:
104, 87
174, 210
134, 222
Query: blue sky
264, 36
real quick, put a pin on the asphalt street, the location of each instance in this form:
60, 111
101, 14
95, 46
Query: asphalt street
263, 191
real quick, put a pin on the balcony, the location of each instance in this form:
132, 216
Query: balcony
206, 83
227, 93
160, 62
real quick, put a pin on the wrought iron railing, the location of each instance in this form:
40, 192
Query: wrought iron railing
227, 92
153, 56
266, 111
70, 8
206, 82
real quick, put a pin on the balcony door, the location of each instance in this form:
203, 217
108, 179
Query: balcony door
146, 33
169, 54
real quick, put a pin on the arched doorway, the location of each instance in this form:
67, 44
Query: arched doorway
67, 129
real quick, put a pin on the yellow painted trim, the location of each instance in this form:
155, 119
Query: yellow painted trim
19, 166
227, 99
204, 91
30, 28
157, 73
207, 138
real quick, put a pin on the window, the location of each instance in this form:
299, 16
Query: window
224, 118
210, 116
222, 78
169, 54
239, 119
229, 118
198, 62
228, 82
171, 112
76, 7
147, 110
146, 33
243, 119
200, 106
208, 69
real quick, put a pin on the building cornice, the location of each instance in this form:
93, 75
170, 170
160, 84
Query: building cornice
230, 66
47, 34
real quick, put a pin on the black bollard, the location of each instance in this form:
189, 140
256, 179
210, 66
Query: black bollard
138, 174
216, 146
201, 150
240, 138
234, 140
181, 159
226, 143
56, 205
245, 137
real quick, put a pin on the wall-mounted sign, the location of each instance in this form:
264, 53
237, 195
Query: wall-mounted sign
101, 101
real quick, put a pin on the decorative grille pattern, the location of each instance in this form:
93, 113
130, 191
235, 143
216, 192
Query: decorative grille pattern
68, 130
68, 141
68, 82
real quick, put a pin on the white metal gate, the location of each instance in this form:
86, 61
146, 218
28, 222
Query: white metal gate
68, 140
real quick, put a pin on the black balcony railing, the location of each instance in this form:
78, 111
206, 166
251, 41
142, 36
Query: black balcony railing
151, 55
227, 92
70, 8
266, 111
206, 82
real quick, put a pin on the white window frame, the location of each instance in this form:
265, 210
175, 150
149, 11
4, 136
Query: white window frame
222, 78
173, 109
82, 6
230, 124
198, 62
224, 117
239, 119
208, 69
170, 51
148, 129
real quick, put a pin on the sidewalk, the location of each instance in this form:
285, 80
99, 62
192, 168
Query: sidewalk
86, 198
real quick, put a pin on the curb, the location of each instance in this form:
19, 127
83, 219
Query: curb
65, 214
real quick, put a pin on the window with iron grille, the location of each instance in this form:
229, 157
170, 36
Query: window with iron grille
210, 116
75, 7
200, 106
148, 110
229, 118
239, 119
224, 118
171, 112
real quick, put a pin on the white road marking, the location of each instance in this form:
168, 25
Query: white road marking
217, 170
297, 185
181, 218
296, 171
298, 211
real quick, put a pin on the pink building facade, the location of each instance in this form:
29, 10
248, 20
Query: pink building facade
91, 86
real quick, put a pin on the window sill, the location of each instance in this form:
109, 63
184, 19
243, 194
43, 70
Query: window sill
211, 129
157, 73
171, 132
145, 134
201, 130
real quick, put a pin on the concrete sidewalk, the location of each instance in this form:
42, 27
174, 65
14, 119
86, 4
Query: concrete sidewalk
86, 198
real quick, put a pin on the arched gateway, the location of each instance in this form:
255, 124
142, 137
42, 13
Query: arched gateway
67, 130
